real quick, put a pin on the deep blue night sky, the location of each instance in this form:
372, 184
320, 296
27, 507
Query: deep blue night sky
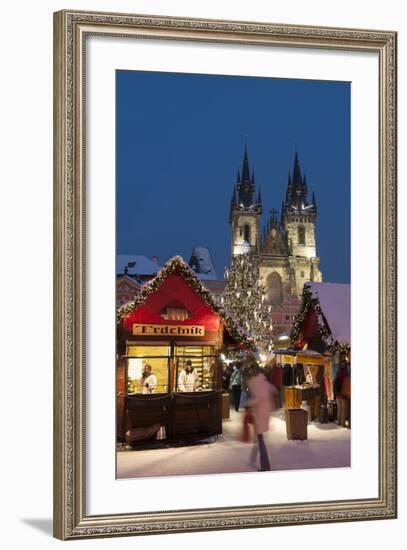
180, 142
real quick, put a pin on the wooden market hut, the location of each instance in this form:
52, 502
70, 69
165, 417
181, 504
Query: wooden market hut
323, 324
174, 319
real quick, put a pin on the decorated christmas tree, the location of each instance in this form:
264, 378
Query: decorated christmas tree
243, 298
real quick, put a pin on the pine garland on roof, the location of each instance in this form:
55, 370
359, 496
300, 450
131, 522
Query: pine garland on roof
308, 301
177, 264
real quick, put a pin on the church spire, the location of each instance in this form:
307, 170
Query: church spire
232, 203
246, 188
245, 167
314, 202
289, 188
297, 180
296, 196
234, 195
259, 198
304, 184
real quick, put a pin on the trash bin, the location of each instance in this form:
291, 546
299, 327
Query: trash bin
225, 405
296, 421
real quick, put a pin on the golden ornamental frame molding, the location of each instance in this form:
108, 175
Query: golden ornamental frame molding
70, 31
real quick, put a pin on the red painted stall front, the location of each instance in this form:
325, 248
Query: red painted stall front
168, 372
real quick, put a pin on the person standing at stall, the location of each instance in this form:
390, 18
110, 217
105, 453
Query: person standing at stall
148, 380
225, 377
235, 385
188, 379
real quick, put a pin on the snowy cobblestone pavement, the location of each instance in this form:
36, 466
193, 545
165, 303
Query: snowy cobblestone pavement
328, 446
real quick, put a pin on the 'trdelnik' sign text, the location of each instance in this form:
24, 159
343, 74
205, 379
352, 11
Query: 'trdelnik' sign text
168, 330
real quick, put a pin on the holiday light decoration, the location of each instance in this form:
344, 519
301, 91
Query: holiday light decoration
177, 264
243, 299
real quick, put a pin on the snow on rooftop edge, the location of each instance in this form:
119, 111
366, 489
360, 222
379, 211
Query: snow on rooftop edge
142, 264
334, 299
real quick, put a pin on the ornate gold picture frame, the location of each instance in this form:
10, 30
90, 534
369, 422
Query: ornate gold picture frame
71, 31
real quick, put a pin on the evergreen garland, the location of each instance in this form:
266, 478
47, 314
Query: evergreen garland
243, 299
177, 264
310, 301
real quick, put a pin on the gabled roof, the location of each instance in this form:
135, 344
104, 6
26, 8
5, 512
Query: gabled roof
136, 284
334, 301
331, 305
178, 265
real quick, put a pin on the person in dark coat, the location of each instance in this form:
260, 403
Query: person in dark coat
235, 385
225, 377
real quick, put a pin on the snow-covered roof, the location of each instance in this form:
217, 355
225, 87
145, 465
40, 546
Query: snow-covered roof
334, 299
142, 265
201, 263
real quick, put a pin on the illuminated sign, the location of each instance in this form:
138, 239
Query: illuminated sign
168, 330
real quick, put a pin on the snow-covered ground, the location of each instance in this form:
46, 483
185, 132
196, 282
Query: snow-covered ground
327, 446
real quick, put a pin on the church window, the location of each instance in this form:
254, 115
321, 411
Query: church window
301, 234
274, 289
302, 274
247, 233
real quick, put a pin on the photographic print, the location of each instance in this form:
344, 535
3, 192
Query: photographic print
207, 166
232, 274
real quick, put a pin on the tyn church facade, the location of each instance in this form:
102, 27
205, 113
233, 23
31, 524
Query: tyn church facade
286, 246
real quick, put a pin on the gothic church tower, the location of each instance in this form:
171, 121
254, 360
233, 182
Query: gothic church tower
245, 212
298, 223
286, 246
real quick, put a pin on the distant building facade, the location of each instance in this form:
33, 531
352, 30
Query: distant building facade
286, 245
132, 271
126, 289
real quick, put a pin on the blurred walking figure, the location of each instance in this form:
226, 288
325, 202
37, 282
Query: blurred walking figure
262, 402
235, 385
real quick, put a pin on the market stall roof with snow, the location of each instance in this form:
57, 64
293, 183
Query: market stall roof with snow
323, 322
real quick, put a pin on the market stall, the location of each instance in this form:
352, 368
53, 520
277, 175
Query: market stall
168, 359
302, 373
323, 325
